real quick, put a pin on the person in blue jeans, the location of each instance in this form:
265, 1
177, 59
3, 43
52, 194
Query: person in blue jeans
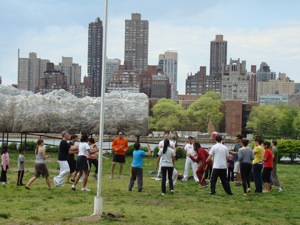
137, 166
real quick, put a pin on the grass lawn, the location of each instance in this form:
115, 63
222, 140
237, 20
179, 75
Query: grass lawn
189, 205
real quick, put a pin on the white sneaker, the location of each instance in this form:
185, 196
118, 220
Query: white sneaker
162, 193
111, 177
85, 189
157, 178
280, 190
120, 176
73, 187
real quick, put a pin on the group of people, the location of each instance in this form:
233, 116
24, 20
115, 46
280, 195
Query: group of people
86, 152
242, 162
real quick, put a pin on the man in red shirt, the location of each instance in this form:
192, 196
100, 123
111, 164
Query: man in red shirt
201, 156
119, 146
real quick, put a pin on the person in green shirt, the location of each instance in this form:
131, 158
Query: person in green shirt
274, 177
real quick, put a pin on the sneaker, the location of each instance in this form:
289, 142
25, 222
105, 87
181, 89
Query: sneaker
172, 191
85, 189
73, 187
50, 188
238, 184
280, 190
27, 188
157, 178
120, 176
204, 186
245, 194
129, 189
162, 193
111, 177
4, 182
140, 190
248, 190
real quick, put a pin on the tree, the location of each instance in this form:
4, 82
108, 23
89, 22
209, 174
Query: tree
265, 120
168, 115
207, 109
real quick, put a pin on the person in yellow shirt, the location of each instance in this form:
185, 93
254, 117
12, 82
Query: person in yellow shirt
119, 146
257, 164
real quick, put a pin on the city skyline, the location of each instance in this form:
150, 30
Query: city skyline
256, 31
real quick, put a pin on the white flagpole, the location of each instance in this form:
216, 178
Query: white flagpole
98, 200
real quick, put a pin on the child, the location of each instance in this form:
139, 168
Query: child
4, 164
21, 167
230, 173
137, 166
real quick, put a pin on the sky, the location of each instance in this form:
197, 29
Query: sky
256, 31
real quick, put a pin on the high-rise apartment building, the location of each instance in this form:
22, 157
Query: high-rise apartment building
168, 65
200, 83
161, 87
71, 70
30, 70
112, 65
52, 80
234, 81
95, 39
218, 55
136, 43
264, 74
282, 85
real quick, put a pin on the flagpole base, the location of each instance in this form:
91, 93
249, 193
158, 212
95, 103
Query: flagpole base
98, 206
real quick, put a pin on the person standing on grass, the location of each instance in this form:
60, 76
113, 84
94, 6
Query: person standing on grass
92, 158
137, 166
245, 158
82, 163
274, 177
63, 155
21, 167
219, 153
40, 165
268, 166
202, 156
4, 164
257, 165
235, 152
71, 158
167, 156
161, 145
119, 146
189, 151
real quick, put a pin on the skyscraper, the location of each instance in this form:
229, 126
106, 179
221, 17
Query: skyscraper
136, 43
168, 64
30, 70
71, 70
95, 40
218, 55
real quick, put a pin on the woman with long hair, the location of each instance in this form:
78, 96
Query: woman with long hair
167, 156
40, 165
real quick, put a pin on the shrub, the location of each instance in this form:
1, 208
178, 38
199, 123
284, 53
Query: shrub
12, 146
50, 148
30, 146
288, 148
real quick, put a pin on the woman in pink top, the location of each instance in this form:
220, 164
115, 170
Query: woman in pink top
92, 158
4, 164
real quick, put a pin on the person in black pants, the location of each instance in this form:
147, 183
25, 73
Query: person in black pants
220, 154
245, 157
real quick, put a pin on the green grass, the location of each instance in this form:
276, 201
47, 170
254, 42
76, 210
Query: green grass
189, 205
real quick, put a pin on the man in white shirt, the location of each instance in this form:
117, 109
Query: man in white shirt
189, 151
219, 153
